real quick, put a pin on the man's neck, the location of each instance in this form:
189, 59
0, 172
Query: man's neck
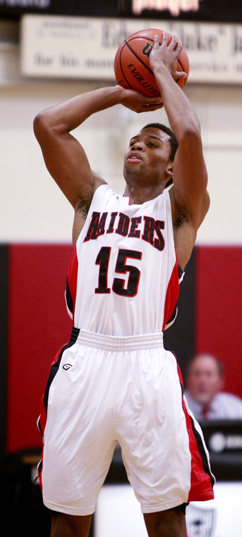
139, 195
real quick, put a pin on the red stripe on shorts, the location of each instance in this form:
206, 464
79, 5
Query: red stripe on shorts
202, 479
44, 399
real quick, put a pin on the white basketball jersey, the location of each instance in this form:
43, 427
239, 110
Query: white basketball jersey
123, 277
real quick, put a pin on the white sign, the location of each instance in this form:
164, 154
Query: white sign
84, 48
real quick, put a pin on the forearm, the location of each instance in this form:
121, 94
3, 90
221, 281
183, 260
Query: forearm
181, 115
69, 114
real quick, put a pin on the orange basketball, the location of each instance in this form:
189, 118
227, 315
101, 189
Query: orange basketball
131, 62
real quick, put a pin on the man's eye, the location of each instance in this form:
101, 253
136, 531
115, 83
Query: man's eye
150, 144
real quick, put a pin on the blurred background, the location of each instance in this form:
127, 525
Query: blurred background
51, 50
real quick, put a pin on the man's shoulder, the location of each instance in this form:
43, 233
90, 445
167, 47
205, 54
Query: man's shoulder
229, 404
229, 397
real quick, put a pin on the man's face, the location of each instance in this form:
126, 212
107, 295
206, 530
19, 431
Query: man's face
204, 379
147, 158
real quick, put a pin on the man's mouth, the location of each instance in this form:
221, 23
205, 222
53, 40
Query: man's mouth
134, 157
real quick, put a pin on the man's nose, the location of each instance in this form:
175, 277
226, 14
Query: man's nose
138, 146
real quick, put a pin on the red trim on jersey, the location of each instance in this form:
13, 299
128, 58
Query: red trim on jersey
172, 294
72, 279
202, 479
41, 423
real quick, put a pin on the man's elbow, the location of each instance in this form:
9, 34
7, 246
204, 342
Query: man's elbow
47, 127
191, 129
190, 137
41, 125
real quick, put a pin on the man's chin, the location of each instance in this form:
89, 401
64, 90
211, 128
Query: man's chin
203, 399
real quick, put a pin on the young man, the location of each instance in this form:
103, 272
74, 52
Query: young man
114, 381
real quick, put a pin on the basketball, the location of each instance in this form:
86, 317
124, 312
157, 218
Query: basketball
131, 62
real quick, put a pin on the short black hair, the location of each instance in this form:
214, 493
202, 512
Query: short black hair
172, 139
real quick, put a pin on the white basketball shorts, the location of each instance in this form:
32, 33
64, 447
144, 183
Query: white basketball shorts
104, 389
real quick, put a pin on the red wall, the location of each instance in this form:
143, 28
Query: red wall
38, 326
219, 309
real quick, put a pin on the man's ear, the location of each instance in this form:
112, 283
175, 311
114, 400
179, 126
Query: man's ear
169, 169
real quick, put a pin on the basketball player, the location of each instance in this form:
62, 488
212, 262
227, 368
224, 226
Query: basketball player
114, 381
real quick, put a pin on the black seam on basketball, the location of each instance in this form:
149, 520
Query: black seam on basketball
120, 65
180, 63
134, 53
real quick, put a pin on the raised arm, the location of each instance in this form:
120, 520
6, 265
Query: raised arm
189, 197
64, 156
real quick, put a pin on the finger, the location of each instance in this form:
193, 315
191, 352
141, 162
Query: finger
147, 101
165, 38
173, 42
156, 41
139, 97
180, 74
179, 46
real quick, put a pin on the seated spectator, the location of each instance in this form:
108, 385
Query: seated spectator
204, 384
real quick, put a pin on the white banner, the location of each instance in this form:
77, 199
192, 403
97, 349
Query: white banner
84, 48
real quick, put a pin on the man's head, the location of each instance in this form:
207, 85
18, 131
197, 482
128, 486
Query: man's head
205, 378
171, 137
151, 154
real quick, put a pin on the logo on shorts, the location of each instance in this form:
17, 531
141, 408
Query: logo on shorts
67, 366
